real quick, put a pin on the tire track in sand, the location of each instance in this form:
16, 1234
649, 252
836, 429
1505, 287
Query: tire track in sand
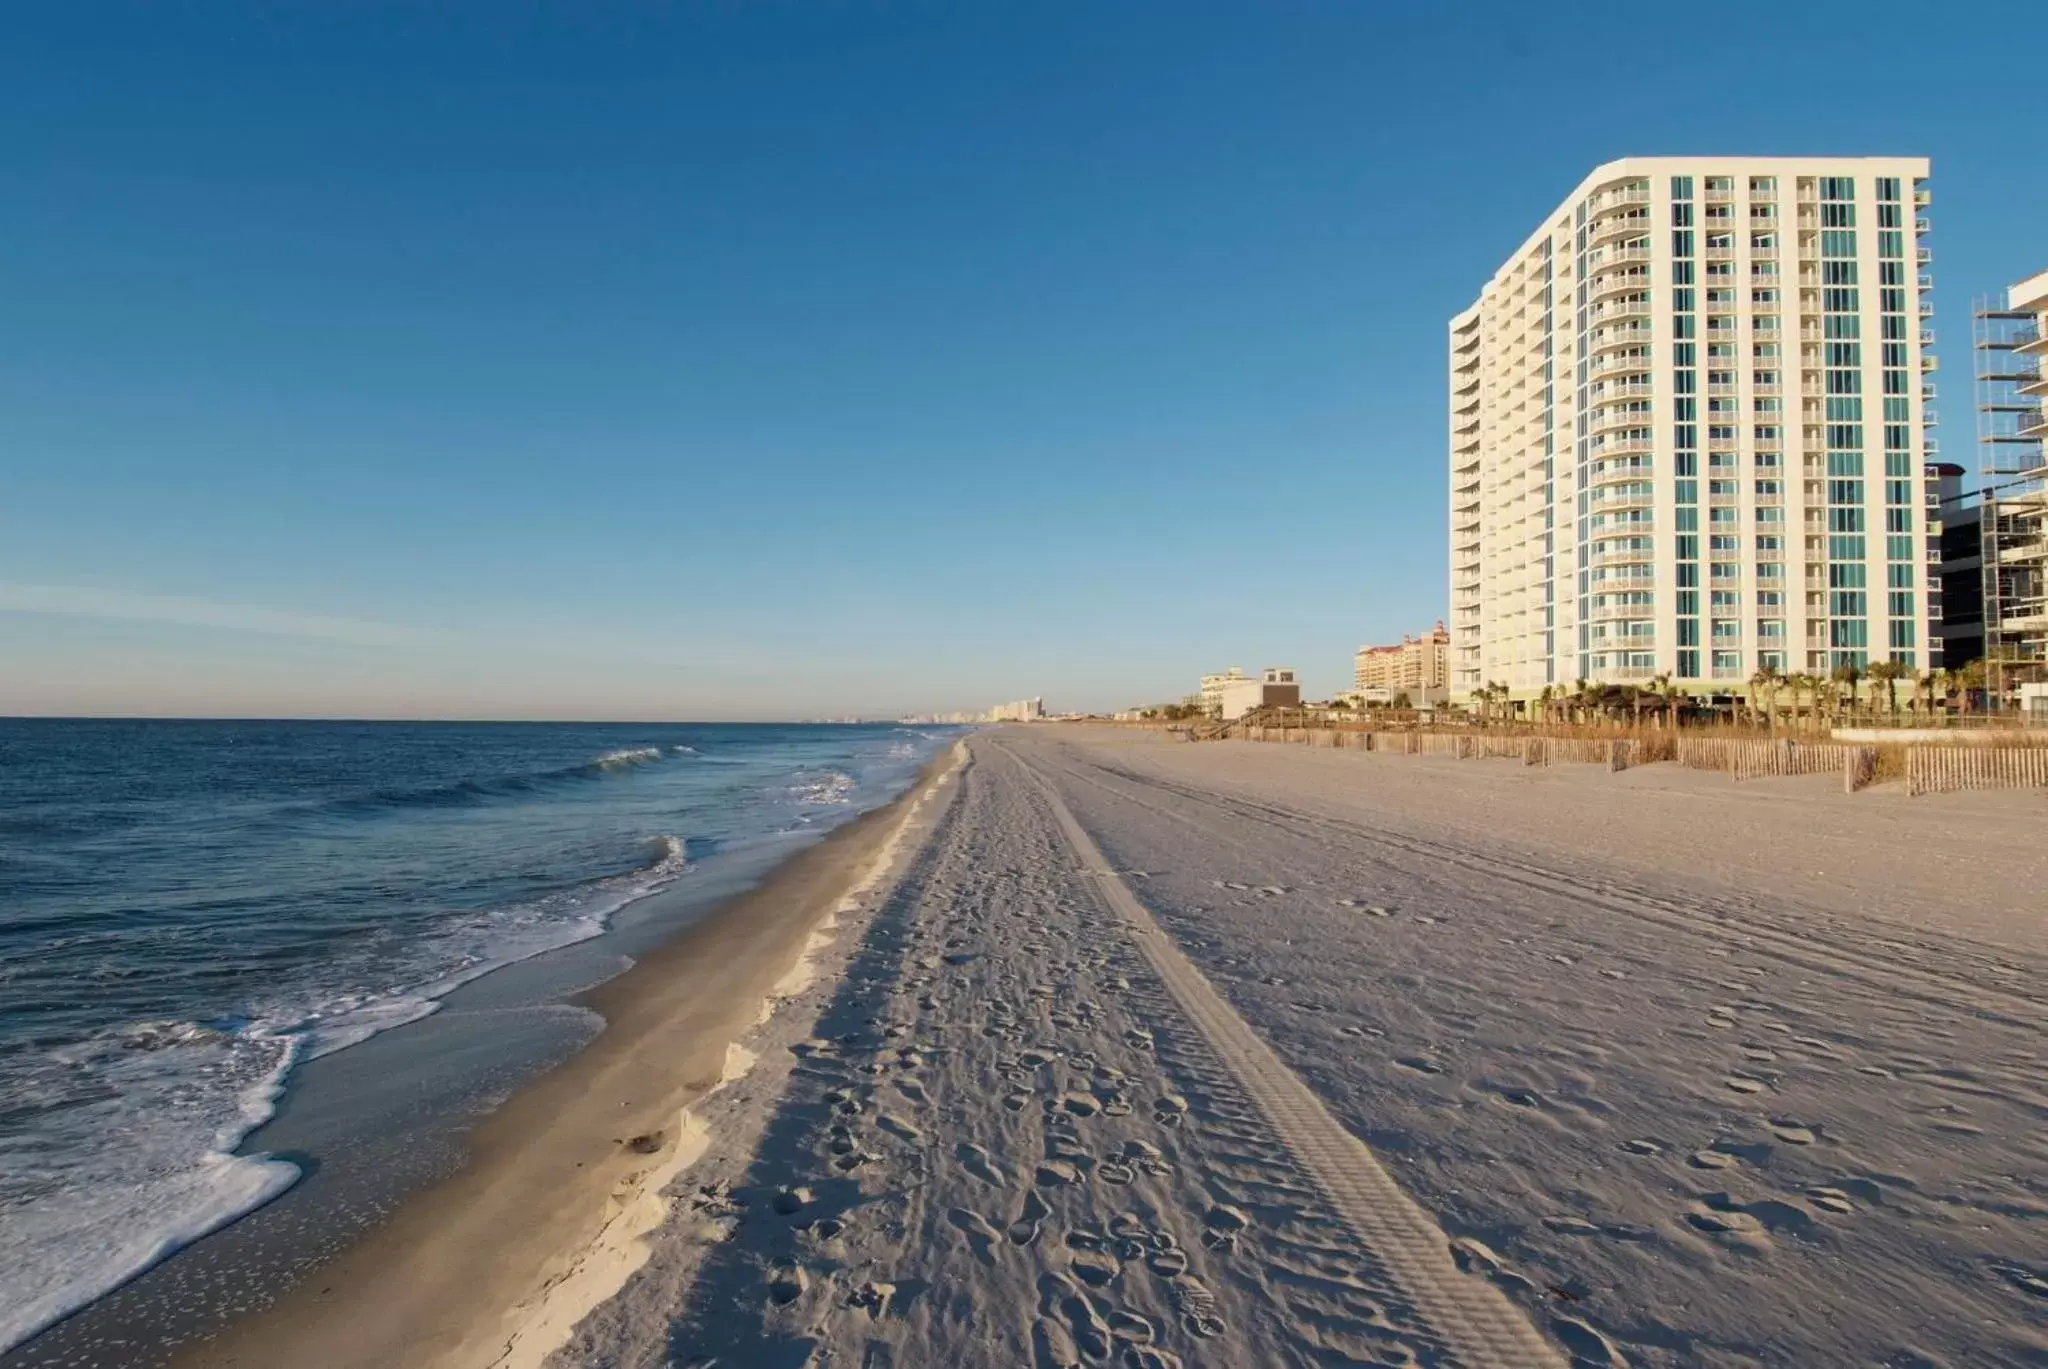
1474, 1319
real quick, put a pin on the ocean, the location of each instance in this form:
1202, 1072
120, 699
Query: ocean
191, 911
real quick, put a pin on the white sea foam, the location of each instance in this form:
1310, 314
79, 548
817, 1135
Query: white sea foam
173, 1177
832, 789
636, 755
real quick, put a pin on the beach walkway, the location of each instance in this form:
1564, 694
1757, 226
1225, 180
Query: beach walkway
1167, 1055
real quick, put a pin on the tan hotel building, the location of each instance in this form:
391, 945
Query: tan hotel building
1416, 666
1687, 429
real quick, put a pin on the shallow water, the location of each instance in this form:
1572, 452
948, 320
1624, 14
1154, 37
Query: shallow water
190, 910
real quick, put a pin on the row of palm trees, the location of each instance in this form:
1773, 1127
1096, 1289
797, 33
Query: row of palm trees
1836, 695
1825, 698
1584, 701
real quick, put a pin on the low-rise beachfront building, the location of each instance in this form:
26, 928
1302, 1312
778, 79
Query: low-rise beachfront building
1418, 666
1276, 687
1211, 697
1687, 429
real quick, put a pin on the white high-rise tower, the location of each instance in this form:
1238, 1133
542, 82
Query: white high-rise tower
1687, 429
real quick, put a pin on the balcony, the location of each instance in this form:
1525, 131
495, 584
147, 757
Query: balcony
1607, 339
1922, 256
1633, 223
1620, 309
1720, 253
1766, 332
1922, 198
1769, 501
1923, 225
2025, 341
1633, 364
1617, 418
1623, 556
1624, 673
1621, 613
1620, 500
1617, 282
1623, 446
1614, 256
1606, 199
1617, 474
1718, 194
1765, 389
1619, 389
2031, 423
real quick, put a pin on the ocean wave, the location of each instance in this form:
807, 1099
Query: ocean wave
638, 755
465, 792
140, 1105
832, 789
153, 1110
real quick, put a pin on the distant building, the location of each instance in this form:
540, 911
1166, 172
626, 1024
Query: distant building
1277, 687
1211, 697
1022, 711
1416, 666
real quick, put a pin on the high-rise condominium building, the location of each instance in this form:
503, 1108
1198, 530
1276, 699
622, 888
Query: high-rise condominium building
1687, 429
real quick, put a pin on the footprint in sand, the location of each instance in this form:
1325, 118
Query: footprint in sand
791, 1201
1587, 1345
1196, 1306
1169, 1110
1831, 1200
1419, 1064
1056, 1174
1077, 1322
786, 1284
1742, 1083
981, 1235
898, 1128
1793, 1133
1224, 1225
1095, 1268
1024, 1230
976, 1161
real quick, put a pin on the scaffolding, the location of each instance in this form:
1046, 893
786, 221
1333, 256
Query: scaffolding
2012, 445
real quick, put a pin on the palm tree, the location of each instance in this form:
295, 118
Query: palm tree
1773, 680
1804, 686
1969, 680
1923, 693
1663, 687
1889, 672
1846, 676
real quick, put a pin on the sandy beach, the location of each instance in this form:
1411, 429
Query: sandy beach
1107, 1049
493, 1265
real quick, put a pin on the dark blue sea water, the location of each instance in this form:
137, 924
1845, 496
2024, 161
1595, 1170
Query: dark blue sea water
188, 909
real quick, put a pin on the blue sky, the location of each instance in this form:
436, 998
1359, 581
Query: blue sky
778, 358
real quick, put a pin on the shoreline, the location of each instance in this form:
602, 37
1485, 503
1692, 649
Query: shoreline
495, 1263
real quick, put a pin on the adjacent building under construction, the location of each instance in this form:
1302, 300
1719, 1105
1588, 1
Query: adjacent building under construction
1995, 543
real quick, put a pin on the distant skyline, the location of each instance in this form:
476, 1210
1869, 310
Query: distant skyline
729, 360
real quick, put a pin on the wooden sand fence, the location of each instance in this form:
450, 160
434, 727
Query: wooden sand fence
1757, 757
1928, 769
1945, 769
